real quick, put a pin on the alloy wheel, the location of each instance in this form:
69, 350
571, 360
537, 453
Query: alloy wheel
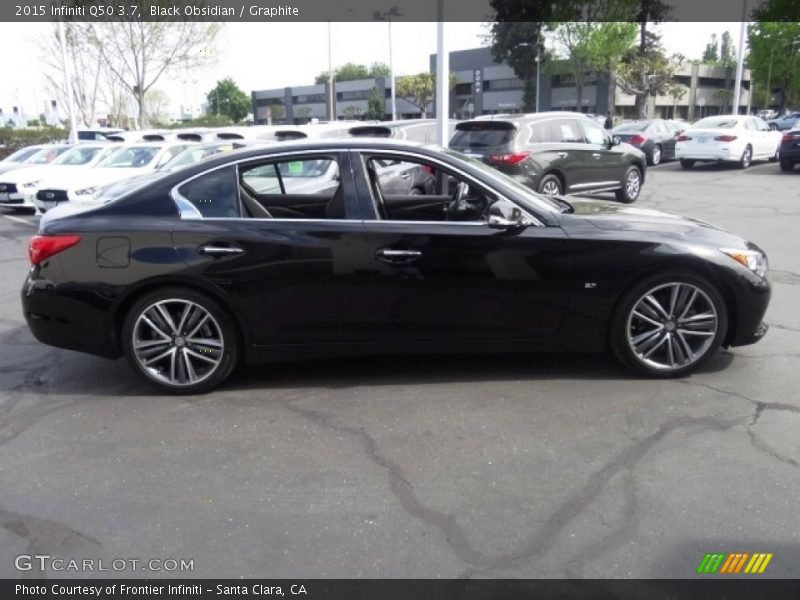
177, 342
746, 157
656, 155
632, 183
551, 188
672, 326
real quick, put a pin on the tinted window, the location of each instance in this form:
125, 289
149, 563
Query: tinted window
77, 156
556, 131
482, 135
213, 194
130, 157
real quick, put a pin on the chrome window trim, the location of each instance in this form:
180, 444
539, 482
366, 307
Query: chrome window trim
191, 215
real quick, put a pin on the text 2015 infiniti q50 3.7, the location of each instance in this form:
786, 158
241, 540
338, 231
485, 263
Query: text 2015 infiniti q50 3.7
189, 273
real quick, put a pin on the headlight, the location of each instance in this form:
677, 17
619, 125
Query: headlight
87, 191
752, 259
31, 184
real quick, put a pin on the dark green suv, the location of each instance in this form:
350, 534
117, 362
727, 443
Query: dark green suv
555, 153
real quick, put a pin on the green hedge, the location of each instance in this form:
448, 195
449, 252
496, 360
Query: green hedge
12, 140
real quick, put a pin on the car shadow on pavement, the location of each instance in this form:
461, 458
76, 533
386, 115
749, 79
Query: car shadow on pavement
40, 369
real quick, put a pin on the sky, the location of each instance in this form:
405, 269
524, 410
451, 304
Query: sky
270, 55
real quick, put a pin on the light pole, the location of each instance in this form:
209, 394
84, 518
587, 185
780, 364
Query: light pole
331, 78
538, 60
737, 88
387, 15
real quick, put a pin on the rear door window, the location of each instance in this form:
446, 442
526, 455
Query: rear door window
594, 133
214, 194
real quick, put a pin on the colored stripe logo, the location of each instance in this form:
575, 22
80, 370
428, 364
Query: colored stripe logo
734, 563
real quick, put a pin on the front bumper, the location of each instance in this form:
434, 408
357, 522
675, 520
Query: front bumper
752, 295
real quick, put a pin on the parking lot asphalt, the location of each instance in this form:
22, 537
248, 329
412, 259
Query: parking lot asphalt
480, 466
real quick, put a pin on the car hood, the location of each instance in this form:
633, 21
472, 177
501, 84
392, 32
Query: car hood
36, 173
625, 219
92, 177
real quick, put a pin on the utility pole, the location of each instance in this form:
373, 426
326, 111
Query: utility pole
442, 81
737, 90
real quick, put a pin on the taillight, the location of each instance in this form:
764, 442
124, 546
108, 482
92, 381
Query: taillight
638, 139
790, 137
682, 138
725, 138
42, 247
512, 158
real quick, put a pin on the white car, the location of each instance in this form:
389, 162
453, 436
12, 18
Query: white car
125, 161
20, 185
731, 138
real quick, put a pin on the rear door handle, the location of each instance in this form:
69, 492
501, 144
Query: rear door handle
397, 256
219, 250
596, 154
405, 175
562, 155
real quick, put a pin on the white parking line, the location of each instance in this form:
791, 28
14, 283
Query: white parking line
19, 220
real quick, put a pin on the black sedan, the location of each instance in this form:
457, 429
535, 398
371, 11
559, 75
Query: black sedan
655, 137
189, 273
789, 152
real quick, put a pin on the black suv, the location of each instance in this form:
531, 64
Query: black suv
555, 153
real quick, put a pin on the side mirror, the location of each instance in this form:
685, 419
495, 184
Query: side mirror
615, 141
498, 221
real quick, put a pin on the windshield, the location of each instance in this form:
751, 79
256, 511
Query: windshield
126, 186
632, 127
523, 192
716, 123
46, 155
77, 156
21, 154
135, 157
193, 155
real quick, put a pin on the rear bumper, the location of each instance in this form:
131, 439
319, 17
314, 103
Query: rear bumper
790, 153
67, 319
719, 153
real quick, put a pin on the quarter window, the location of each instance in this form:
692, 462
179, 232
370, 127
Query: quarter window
214, 194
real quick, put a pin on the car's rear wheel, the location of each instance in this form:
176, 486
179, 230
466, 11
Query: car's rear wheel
180, 341
631, 185
787, 165
687, 163
655, 156
668, 325
550, 185
747, 158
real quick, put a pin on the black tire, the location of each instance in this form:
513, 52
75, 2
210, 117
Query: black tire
655, 156
687, 163
622, 320
551, 183
219, 324
747, 157
630, 191
787, 165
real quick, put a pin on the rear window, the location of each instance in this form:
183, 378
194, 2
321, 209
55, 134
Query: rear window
482, 135
716, 123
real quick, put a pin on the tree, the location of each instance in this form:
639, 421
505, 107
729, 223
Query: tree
711, 53
727, 52
138, 53
516, 44
352, 71
86, 67
724, 96
676, 91
352, 111
376, 105
276, 112
420, 89
775, 59
228, 99
156, 107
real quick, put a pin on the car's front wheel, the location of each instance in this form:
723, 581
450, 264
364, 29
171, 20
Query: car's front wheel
631, 185
180, 341
668, 325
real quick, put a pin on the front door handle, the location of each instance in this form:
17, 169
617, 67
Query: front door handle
562, 155
219, 250
397, 256
596, 155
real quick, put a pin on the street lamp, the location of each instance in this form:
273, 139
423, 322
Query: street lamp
387, 15
538, 60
